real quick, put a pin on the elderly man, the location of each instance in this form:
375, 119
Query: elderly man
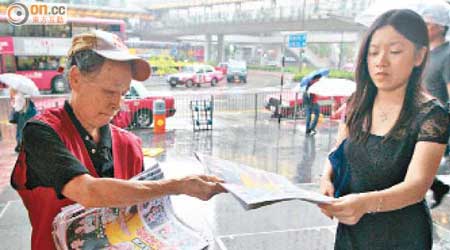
437, 73
72, 154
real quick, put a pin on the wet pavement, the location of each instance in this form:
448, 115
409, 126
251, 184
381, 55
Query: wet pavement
263, 144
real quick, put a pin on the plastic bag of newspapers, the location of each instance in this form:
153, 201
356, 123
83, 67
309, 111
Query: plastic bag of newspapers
148, 226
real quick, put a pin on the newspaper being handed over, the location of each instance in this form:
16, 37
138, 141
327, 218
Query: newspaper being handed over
148, 226
255, 188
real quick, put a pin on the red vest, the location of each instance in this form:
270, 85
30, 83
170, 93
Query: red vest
41, 202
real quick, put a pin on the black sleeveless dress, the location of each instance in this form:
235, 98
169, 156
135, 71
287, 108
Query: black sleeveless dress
377, 165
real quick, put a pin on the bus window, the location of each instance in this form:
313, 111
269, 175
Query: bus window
62, 61
9, 65
27, 63
52, 63
61, 31
6, 29
37, 62
113, 28
78, 28
29, 30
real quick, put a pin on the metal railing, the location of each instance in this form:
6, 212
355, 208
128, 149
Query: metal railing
245, 103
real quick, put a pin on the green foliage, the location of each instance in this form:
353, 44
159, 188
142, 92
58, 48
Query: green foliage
289, 69
321, 50
211, 63
334, 73
164, 64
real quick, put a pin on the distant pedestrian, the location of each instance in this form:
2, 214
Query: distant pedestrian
311, 105
437, 73
22, 110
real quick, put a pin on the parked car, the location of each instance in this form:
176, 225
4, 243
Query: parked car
292, 96
197, 74
290, 59
273, 63
237, 72
137, 107
3, 89
222, 67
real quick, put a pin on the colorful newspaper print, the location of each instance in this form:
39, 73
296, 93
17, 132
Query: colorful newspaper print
255, 188
148, 226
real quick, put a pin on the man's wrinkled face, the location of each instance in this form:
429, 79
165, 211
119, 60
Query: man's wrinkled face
434, 30
100, 94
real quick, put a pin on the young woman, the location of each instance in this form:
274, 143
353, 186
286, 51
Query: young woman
396, 135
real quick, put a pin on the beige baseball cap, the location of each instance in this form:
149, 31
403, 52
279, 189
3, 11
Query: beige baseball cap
436, 12
110, 46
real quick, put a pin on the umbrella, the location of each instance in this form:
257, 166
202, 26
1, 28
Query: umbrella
368, 16
20, 83
333, 87
322, 72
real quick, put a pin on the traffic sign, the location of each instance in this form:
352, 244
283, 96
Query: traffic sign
297, 40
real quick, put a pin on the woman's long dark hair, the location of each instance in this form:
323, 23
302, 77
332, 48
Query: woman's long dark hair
359, 115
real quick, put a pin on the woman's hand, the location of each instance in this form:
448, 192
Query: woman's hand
326, 188
348, 209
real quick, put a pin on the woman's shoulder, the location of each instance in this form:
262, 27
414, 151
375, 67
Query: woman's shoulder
429, 104
433, 121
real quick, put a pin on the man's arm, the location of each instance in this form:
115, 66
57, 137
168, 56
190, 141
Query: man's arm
109, 192
50, 164
446, 73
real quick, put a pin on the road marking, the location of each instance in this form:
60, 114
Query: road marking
441, 228
6, 206
223, 247
279, 231
4, 209
221, 244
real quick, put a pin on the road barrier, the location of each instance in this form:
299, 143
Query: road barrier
231, 102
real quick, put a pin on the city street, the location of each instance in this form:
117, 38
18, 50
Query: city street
257, 80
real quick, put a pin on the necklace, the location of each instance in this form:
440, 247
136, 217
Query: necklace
383, 116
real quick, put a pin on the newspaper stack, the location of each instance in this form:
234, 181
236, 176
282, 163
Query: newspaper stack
148, 226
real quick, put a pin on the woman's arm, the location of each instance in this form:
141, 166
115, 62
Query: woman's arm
327, 173
419, 177
326, 183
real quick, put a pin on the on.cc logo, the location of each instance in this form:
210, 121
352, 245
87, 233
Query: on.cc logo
17, 14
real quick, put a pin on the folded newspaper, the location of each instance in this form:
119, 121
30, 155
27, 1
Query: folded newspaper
255, 188
152, 225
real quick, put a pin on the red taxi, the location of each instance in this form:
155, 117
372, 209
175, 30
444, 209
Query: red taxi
137, 107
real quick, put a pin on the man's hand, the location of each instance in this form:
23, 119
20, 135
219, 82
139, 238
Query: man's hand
201, 186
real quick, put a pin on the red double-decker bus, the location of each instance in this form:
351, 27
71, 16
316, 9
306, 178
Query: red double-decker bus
37, 51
